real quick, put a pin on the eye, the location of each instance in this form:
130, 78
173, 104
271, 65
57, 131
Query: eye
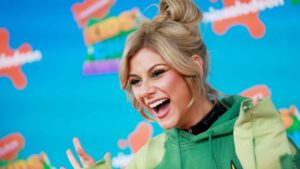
157, 73
133, 82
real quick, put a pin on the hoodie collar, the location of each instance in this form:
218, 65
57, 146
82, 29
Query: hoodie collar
223, 126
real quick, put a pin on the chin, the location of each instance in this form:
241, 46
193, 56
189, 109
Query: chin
167, 125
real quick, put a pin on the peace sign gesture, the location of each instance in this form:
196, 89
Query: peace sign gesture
85, 159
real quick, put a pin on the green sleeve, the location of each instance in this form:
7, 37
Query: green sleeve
295, 157
260, 138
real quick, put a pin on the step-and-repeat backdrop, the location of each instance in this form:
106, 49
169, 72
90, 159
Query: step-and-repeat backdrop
59, 61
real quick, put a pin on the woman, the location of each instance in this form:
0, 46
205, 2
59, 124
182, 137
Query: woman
164, 70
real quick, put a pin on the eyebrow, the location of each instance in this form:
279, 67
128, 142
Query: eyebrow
149, 70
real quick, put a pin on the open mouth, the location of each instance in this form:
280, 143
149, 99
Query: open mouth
161, 107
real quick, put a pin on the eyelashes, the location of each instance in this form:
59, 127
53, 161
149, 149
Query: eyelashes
154, 75
157, 73
133, 82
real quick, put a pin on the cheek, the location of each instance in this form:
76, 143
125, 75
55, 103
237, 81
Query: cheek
175, 86
135, 94
170, 83
179, 92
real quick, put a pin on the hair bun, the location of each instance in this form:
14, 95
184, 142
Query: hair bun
184, 11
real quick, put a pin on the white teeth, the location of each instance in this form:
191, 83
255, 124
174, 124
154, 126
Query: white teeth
157, 103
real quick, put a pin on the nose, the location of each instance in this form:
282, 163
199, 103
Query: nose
147, 90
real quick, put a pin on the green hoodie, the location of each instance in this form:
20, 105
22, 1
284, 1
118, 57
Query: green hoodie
246, 136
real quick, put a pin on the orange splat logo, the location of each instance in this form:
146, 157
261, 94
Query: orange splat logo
240, 12
91, 9
251, 21
288, 114
10, 146
11, 60
137, 138
14, 73
257, 92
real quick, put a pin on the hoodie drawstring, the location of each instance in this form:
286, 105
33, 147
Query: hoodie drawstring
179, 148
210, 134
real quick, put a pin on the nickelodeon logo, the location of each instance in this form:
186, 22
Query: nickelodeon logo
11, 60
240, 12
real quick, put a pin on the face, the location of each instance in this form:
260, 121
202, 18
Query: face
160, 89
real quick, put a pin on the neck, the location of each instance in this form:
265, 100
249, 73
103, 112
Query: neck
196, 112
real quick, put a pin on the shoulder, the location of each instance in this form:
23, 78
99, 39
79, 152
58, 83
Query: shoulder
150, 154
260, 137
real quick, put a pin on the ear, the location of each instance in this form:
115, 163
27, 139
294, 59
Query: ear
198, 61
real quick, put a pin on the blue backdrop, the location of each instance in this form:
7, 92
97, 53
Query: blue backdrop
58, 101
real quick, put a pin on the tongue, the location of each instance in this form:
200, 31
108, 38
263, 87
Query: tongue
163, 110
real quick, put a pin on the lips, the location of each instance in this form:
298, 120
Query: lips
160, 107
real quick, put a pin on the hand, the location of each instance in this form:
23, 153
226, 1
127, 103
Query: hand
85, 159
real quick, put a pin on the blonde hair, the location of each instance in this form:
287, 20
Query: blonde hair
175, 34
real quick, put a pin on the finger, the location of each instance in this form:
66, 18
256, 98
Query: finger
107, 155
62, 168
73, 160
85, 159
76, 143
